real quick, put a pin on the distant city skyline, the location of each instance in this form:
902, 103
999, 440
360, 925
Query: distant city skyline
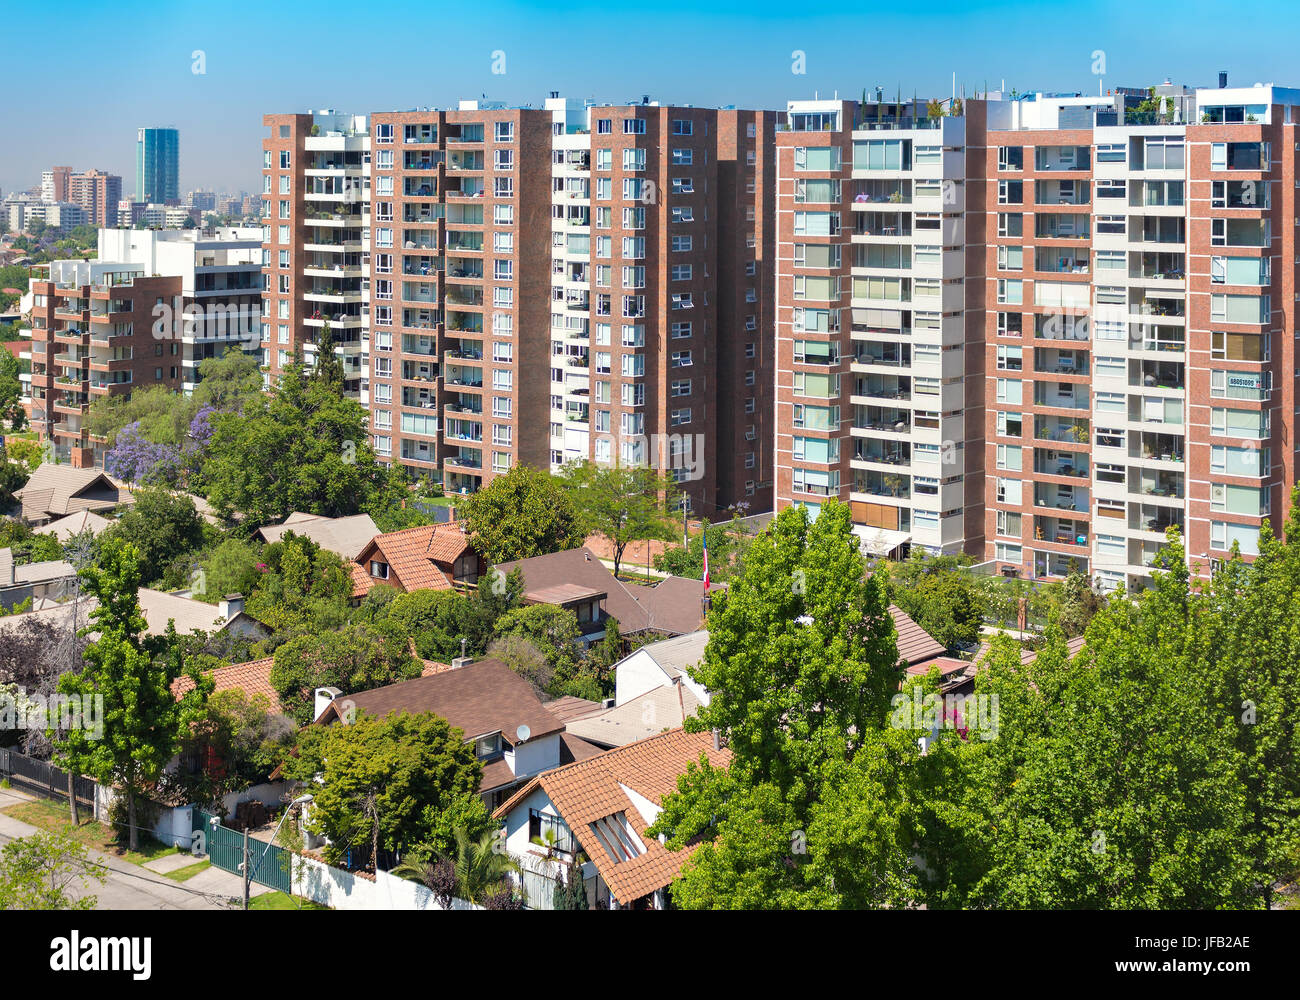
208, 75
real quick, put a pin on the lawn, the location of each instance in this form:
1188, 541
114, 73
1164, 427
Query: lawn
189, 871
53, 817
280, 901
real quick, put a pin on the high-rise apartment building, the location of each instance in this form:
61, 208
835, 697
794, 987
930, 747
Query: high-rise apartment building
55, 183
1123, 269
871, 399
157, 165
536, 285
98, 193
146, 311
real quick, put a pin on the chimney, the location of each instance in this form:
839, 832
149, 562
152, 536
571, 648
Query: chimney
717, 740
231, 605
461, 661
324, 696
1223, 79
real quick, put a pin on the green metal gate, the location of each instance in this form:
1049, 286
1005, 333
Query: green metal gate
272, 865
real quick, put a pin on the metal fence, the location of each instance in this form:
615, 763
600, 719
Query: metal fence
272, 865
42, 778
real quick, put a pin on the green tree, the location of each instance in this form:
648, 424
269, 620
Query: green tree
141, 718
231, 567
391, 505
302, 588
12, 478
394, 783
40, 872
524, 513
306, 448
11, 392
161, 526
941, 596
801, 663
352, 659
554, 633
625, 503
164, 416
228, 383
728, 543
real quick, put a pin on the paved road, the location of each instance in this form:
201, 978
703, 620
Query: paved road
129, 887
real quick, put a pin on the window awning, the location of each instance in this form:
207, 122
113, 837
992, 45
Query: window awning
880, 541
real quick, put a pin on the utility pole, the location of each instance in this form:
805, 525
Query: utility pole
245, 867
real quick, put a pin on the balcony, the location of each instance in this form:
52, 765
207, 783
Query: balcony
1061, 395
882, 452
1156, 483
419, 371
1049, 158
1060, 531
874, 352
1057, 226
421, 267
882, 484
463, 375
1158, 266
1147, 517
884, 387
1058, 564
1156, 447
881, 192
419, 399
1052, 462
1054, 261
1061, 192
1157, 375
1069, 498
882, 419
882, 224
1059, 361
1063, 429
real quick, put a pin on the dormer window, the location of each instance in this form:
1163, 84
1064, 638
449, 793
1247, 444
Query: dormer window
379, 570
487, 746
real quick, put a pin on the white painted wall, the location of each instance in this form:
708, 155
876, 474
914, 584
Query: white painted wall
635, 675
343, 890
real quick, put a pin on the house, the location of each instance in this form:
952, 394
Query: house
55, 491
513, 733
648, 714
74, 524
596, 811
159, 609
344, 536
674, 606
428, 557
660, 664
253, 678
37, 580
915, 644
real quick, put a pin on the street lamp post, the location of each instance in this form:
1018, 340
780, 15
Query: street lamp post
248, 874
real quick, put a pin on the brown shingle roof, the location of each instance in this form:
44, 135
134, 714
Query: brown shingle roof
483, 697
671, 606
55, 491
590, 790
253, 678
915, 644
569, 708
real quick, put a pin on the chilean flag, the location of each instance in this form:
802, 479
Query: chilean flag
705, 537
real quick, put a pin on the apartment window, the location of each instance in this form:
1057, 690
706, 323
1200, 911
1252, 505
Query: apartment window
286, 158
683, 126
604, 159
682, 300
383, 133
681, 359
681, 388
634, 126
1011, 157
681, 330
503, 187
683, 185
682, 157
604, 126
682, 244
1111, 152
681, 213
1010, 291
681, 416
681, 272
504, 131
1011, 192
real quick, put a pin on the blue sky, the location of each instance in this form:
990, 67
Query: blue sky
119, 66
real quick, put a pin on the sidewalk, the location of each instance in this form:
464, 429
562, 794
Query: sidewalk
132, 887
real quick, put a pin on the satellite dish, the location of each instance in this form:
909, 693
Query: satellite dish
523, 732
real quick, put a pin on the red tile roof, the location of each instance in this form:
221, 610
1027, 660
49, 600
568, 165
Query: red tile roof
253, 678
420, 558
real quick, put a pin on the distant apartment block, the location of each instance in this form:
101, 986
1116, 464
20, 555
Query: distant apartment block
157, 165
97, 329
535, 285
1062, 328
98, 193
